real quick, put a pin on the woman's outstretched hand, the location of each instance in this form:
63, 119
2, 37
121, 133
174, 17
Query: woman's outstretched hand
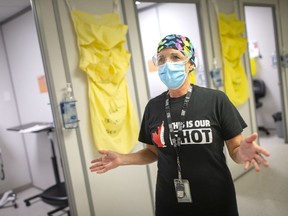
253, 154
108, 161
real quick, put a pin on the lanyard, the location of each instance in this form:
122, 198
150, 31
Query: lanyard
177, 141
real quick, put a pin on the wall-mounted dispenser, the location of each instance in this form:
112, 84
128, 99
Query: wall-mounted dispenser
68, 109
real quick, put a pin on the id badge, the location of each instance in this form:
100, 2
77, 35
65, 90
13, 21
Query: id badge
182, 189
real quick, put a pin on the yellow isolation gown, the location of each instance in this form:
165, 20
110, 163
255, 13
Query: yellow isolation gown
101, 40
233, 47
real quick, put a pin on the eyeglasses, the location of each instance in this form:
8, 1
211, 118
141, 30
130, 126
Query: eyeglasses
159, 60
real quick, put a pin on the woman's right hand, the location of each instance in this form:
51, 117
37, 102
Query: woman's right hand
108, 161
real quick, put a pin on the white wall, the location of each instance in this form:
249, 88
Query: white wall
24, 59
17, 173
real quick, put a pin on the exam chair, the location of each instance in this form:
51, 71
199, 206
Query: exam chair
259, 89
56, 194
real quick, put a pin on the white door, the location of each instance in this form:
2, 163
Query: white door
155, 22
264, 35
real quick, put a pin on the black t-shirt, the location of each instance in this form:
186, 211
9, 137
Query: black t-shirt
210, 120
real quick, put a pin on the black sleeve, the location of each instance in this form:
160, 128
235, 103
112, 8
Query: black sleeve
232, 123
144, 134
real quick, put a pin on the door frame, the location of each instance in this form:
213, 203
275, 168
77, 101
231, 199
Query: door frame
274, 4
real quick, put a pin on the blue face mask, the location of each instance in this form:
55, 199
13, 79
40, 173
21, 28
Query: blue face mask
172, 74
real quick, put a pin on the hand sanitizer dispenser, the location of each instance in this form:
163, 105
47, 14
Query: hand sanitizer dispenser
68, 109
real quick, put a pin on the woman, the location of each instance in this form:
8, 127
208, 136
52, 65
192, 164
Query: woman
185, 129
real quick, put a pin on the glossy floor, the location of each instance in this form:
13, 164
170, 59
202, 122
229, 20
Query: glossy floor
265, 193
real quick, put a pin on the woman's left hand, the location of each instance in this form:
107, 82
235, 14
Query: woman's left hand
252, 154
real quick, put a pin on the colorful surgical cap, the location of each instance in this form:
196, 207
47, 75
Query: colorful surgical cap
178, 42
